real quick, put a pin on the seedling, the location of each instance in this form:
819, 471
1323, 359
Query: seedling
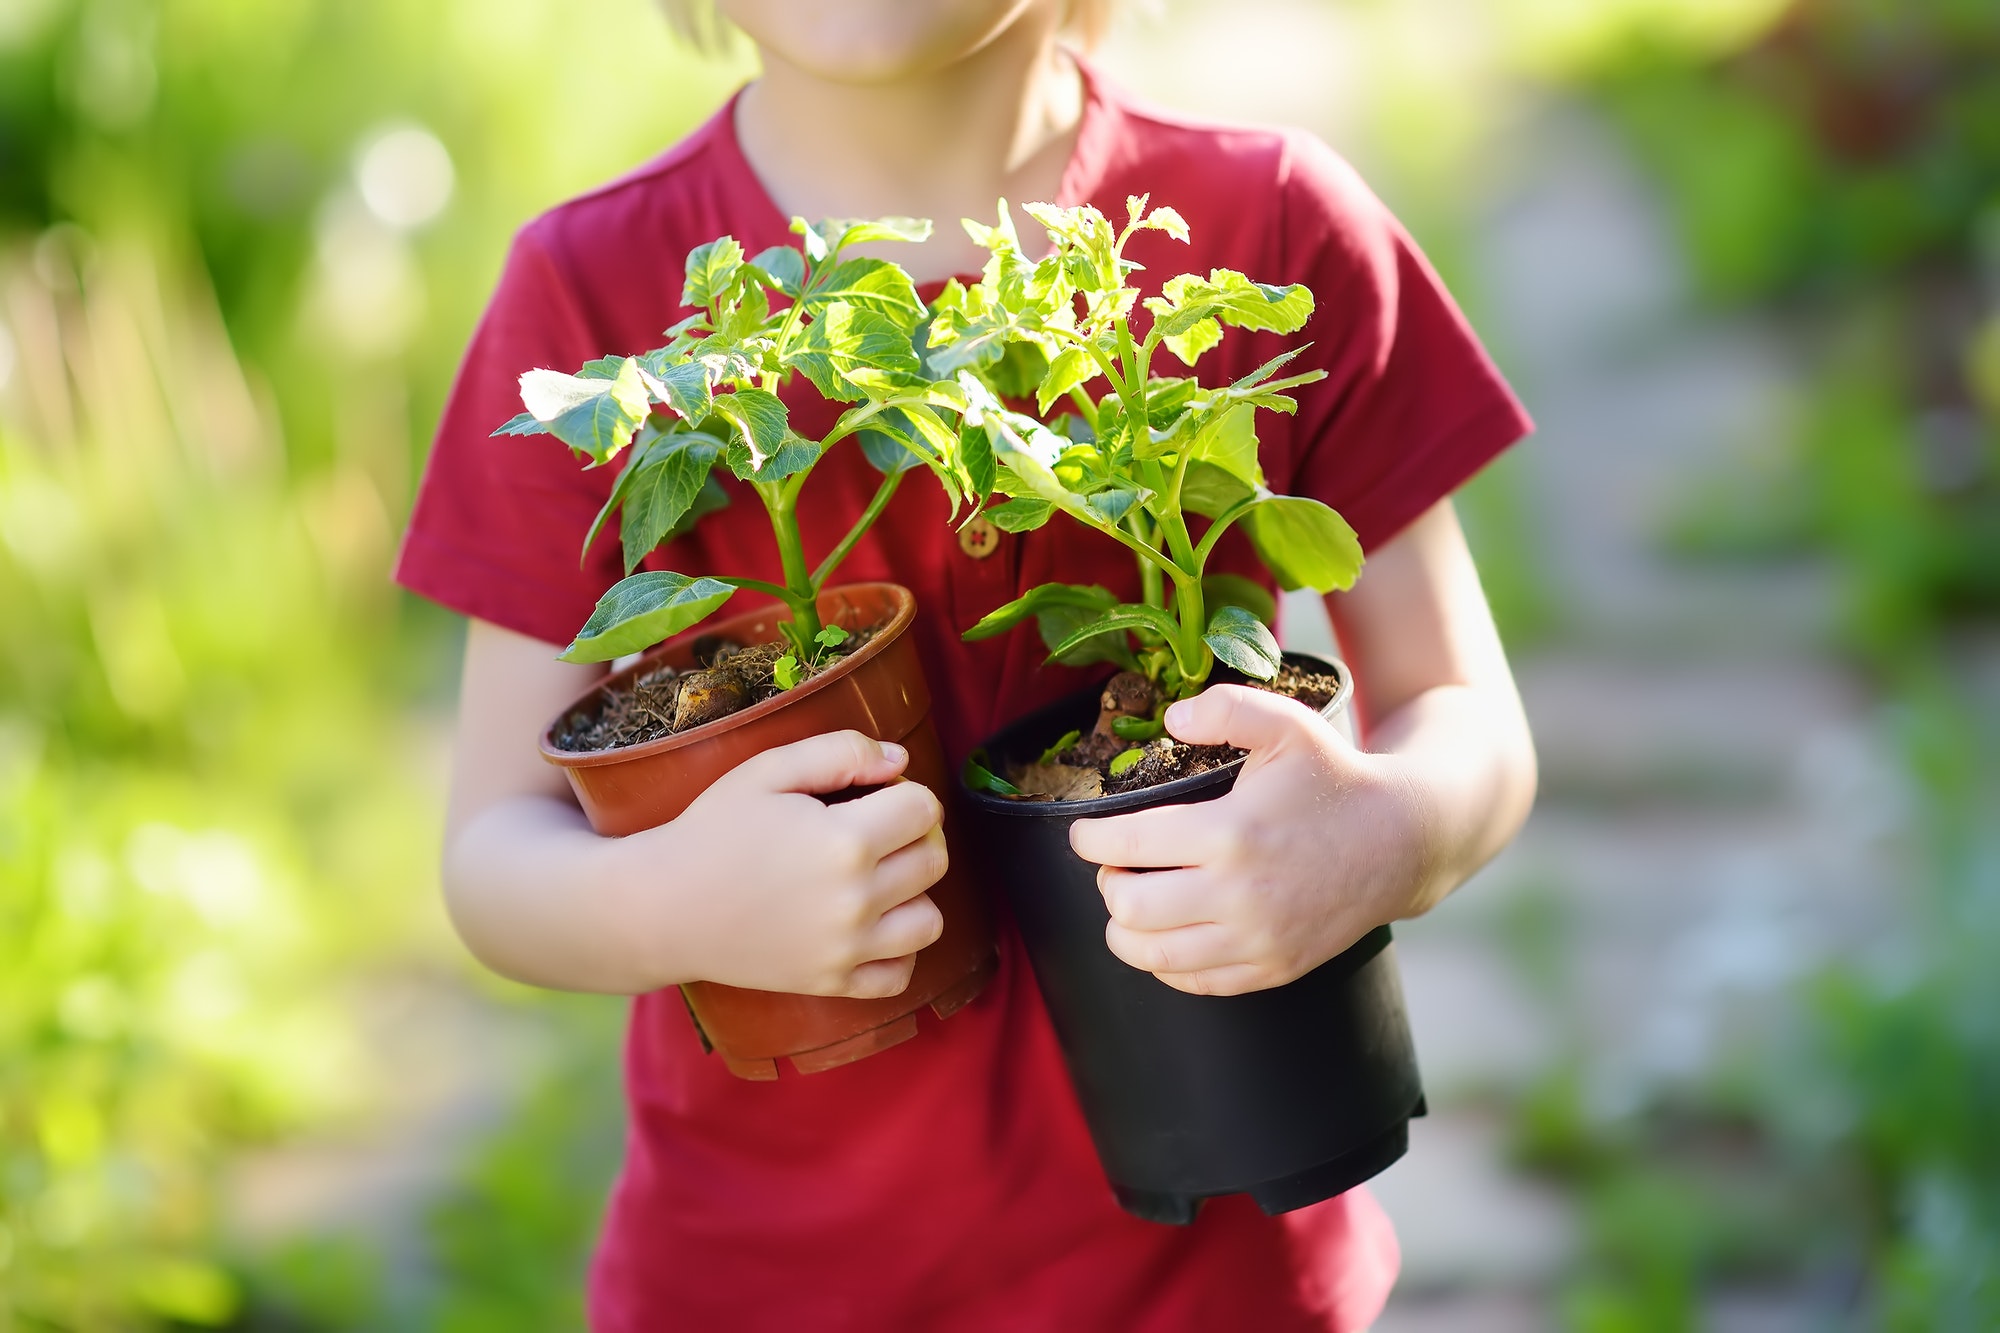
710, 396
1140, 455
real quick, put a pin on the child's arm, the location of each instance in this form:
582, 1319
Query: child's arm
758, 884
1319, 842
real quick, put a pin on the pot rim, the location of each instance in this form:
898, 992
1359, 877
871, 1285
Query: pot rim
1166, 792
905, 603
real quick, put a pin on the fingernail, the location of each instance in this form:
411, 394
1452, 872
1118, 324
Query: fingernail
1180, 714
894, 753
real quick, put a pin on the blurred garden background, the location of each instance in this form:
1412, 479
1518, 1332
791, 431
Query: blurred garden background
1716, 1045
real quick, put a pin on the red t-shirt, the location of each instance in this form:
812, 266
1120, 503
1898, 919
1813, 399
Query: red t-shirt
949, 1182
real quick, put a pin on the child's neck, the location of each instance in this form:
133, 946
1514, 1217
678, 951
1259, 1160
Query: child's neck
945, 145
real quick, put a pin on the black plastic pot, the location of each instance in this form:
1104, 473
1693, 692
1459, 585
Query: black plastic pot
1291, 1095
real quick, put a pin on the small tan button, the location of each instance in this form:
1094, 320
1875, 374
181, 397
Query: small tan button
979, 539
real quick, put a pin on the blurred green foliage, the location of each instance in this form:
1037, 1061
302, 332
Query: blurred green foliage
1842, 171
241, 249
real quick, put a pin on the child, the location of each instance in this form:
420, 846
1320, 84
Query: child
949, 1182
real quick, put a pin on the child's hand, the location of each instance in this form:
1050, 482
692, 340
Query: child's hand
771, 888
1317, 844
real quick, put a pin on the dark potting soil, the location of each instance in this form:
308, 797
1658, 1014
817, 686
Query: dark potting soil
1082, 770
728, 678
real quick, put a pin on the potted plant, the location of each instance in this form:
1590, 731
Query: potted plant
641, 745
1292, 1094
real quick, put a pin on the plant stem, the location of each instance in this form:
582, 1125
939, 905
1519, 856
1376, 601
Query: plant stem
802, 594
1191, 610
880, 501
1152, 579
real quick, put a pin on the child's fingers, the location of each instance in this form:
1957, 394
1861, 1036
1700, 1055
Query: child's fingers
892, 818
1185, 949
879, 980
1236, 715
1235, 979
1157, 899
903, 929
1168, 836
907, 872
828, 763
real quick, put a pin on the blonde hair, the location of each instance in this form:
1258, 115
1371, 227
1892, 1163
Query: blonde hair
1086, 22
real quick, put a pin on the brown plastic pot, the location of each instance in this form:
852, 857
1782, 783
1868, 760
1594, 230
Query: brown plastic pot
878, 690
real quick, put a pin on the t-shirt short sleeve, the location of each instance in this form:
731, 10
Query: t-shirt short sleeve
1412, 405
499, 520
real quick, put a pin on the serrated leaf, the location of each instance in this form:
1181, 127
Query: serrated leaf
1243, 641
1218, 590
603, 368
795, 454
522, 423
602, 422
547, 394
1022, 515
663, 492
711, 270
874, 284
1304, 543
783, 267
1232, 298
976, 464
641, 610
1199, 337
848, 351
683, 387
761, 422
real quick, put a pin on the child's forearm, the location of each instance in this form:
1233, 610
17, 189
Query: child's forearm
1465, 753
541, 899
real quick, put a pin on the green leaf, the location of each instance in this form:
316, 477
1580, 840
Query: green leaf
1114, 503
761, 422
1124, 763
1067, 739
1304, 543
1059, 624
660, 496
1189, 344
603, 368
1219, 590
980, 470
1022, 515
522, 423
592, 416
1243, 641
1212, 491
641, 610
1072, 366
862, 231
1090, 597
846, 339
1137, 728
711, 270
1229, 441
682, 387
794, 455
873, 284
979, 777
884, 446
1129, 616
1232, 298
785, 671
782, 268
831, 637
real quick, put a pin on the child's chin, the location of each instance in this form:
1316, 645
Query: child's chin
871, 41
